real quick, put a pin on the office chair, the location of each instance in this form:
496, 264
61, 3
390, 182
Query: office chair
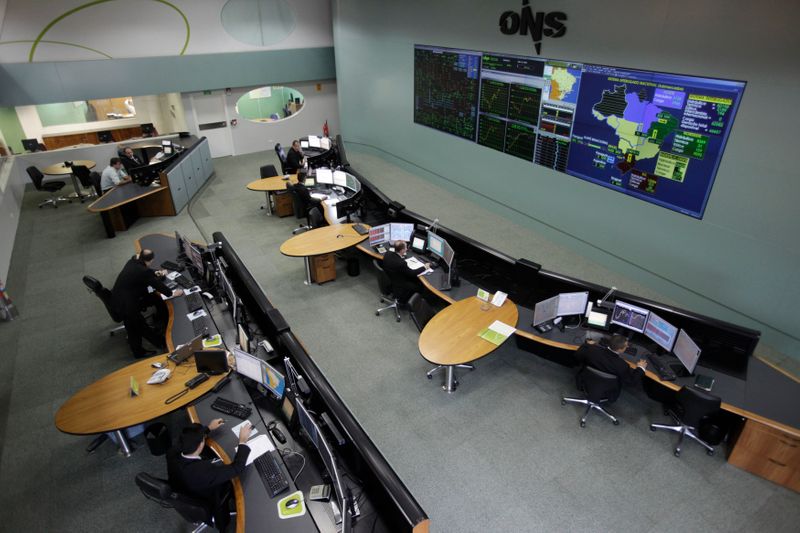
53, 187
281, 156
600, 388
387, 296
302, 208
95, 177
695, 406
85, 178
105, 296
191, 509
267, 171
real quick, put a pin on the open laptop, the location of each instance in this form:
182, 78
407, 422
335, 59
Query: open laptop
185, 351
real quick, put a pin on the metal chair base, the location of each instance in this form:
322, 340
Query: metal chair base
54, 201
111, 332
683, 431
393, 304
590, 406
301, 229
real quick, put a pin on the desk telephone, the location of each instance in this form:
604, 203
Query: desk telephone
159, 376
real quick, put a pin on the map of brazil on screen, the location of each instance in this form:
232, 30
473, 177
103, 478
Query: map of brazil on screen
655, 136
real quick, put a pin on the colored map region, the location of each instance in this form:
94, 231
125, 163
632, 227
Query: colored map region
563, 82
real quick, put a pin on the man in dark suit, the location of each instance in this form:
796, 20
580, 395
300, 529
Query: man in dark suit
130, 296
130, 160
405, 280
607, 359
295, 158
191, 474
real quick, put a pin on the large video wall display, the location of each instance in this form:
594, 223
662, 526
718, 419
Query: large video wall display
658, 137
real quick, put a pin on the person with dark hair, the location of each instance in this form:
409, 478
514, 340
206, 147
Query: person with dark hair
130, 296
405, 280
129, 159
193, 475
295, 159
113, 175
607, 359
304, 193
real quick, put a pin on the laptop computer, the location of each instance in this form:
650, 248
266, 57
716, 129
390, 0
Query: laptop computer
185, 351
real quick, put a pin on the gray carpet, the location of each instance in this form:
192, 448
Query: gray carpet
501, 454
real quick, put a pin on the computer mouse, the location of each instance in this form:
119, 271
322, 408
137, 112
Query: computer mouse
291, 504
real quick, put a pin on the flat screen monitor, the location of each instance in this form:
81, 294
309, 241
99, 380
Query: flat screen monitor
660, 331
340, 178
686, 350
325, 143
545, 310
244, 340
324, 176
167, 148
401, 232
629, 316
418, 244
313, 141
572, 303
344, 208
436, 244
449, 253
597, 319
379, 234
325, 450
303, 144
31, 145
273, 380
211, 362
248, 366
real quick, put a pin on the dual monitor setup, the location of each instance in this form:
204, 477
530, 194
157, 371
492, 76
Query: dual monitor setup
338, 181
632, 318
429, 242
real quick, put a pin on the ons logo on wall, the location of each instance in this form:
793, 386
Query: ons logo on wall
537, 25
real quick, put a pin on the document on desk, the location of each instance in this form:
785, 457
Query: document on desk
196, 314
193, 290
414, 263
258, 447
172, 275
497, 332
319, 196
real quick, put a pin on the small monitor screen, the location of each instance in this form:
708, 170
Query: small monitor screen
629, 316
660, 331
248, 366
379, 234
324, 175
418, 244
197, 259
244, 341
597, 319
273, 380
313, 141
324, 143
211, 361
340, 178
572, 303
686, 351
545, 310
401, 232
307, 423
303, 144
167, 149
435, 244
448, 254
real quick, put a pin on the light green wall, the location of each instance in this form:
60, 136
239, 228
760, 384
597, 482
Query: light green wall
12, 129
62, 113
740, 263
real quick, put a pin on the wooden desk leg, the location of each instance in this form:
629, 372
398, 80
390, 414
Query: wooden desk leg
122, 442
307, 261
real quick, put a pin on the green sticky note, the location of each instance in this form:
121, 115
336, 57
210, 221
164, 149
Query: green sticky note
483, 295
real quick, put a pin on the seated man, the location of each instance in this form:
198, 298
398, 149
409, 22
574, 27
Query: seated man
405, 281
295, 159
129, 159
608, 360
130, 296
201, 478
113, 175
302, 191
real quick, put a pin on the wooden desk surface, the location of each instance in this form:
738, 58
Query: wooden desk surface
322, 241
273, 184
122, 194
451, 337
106, 404
61, 170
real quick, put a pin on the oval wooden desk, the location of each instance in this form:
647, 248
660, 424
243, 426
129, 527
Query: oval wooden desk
61, 169
107, 405
451, 337
320, 241
271, 185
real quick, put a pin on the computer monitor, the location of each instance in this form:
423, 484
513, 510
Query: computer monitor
31, 145
167, 148
686, 350
344, 208
401, 231
418, 244
297, 100
436, 244
629, 316
660, 331
572, 303
243, 339
545, 310
597, 318
324, 448
448, 254
379, 234
273, 381
324, 176
340, 178
248, 365
196, 258
211, 362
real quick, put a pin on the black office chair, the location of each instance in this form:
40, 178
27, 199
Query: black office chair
387, 295
695, 405
96, 179
104, 294
53, 187
600, 389
191, 509
267, 171
302, 209
281, 156
85, 178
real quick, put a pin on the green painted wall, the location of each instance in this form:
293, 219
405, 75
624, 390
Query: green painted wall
11, 128
739, 263
62, 113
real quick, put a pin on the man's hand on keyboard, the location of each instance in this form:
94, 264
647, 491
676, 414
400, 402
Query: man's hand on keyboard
244, 433
642, 364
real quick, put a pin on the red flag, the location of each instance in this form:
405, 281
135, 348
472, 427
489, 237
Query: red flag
325, 131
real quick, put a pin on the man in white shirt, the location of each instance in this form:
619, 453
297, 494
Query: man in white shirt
113, 175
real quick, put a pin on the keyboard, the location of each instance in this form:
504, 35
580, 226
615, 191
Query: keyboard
194, 301
269, 469
200, 326
231, 408
184, 282
169, 265
663, 370
360, 229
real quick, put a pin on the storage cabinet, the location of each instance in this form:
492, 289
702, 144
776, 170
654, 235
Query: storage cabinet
323, 268
768, 452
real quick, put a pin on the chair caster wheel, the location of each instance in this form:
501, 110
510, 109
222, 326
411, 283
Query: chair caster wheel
583, 424
563, 402
430, 377
677, 453
652, 428
397, 320
377, 313
710, 452
616, 422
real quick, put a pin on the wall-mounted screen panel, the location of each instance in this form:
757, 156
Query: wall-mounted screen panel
654, 136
